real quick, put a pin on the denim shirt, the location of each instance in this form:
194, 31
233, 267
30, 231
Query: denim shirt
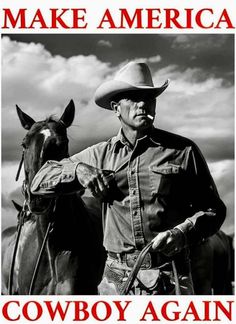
161, 183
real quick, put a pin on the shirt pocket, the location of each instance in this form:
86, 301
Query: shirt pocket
165, 179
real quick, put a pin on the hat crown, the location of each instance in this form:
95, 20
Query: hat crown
132, 77
137, 74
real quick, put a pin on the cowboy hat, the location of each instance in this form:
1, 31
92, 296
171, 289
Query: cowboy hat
132, 77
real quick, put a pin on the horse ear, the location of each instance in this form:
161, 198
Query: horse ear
26, 120
17, 206
69, 114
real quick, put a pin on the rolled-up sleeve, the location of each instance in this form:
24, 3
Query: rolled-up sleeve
208, 210
56, 178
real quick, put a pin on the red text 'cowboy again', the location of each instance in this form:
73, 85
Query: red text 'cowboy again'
116, 310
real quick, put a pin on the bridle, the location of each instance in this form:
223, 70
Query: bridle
22, 216
20, 165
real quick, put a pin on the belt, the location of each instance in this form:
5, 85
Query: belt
151, 260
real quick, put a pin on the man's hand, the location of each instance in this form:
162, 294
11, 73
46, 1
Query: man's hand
96, 180
169, 242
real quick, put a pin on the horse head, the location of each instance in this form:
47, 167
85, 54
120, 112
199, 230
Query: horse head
45, 140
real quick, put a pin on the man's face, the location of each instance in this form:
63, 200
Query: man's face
134, 108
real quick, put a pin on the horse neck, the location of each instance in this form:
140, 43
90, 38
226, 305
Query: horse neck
67, 213
44, 219
40, 208
71, 208
72, 220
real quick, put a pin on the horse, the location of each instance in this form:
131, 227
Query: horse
212, 265
57, 248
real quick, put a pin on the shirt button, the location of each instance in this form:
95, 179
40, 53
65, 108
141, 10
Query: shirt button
132, 171
135, 213
133, 192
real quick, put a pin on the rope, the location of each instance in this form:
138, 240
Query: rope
36, 268
133, 274
177, 285
50, 225
11, 273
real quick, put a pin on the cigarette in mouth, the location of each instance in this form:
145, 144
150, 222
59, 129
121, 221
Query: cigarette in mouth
150, 117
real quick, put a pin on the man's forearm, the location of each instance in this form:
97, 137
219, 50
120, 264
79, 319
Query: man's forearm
56, 178
203, 223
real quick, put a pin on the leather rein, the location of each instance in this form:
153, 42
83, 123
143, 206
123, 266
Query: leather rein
134, 272
22, 217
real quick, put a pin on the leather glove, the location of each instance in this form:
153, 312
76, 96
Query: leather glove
169, 242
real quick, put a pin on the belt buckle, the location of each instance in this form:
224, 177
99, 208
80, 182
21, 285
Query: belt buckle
132, 258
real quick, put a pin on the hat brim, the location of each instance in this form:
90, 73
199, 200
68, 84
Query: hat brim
109, 89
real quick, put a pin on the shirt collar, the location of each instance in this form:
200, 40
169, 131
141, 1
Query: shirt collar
120, 138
